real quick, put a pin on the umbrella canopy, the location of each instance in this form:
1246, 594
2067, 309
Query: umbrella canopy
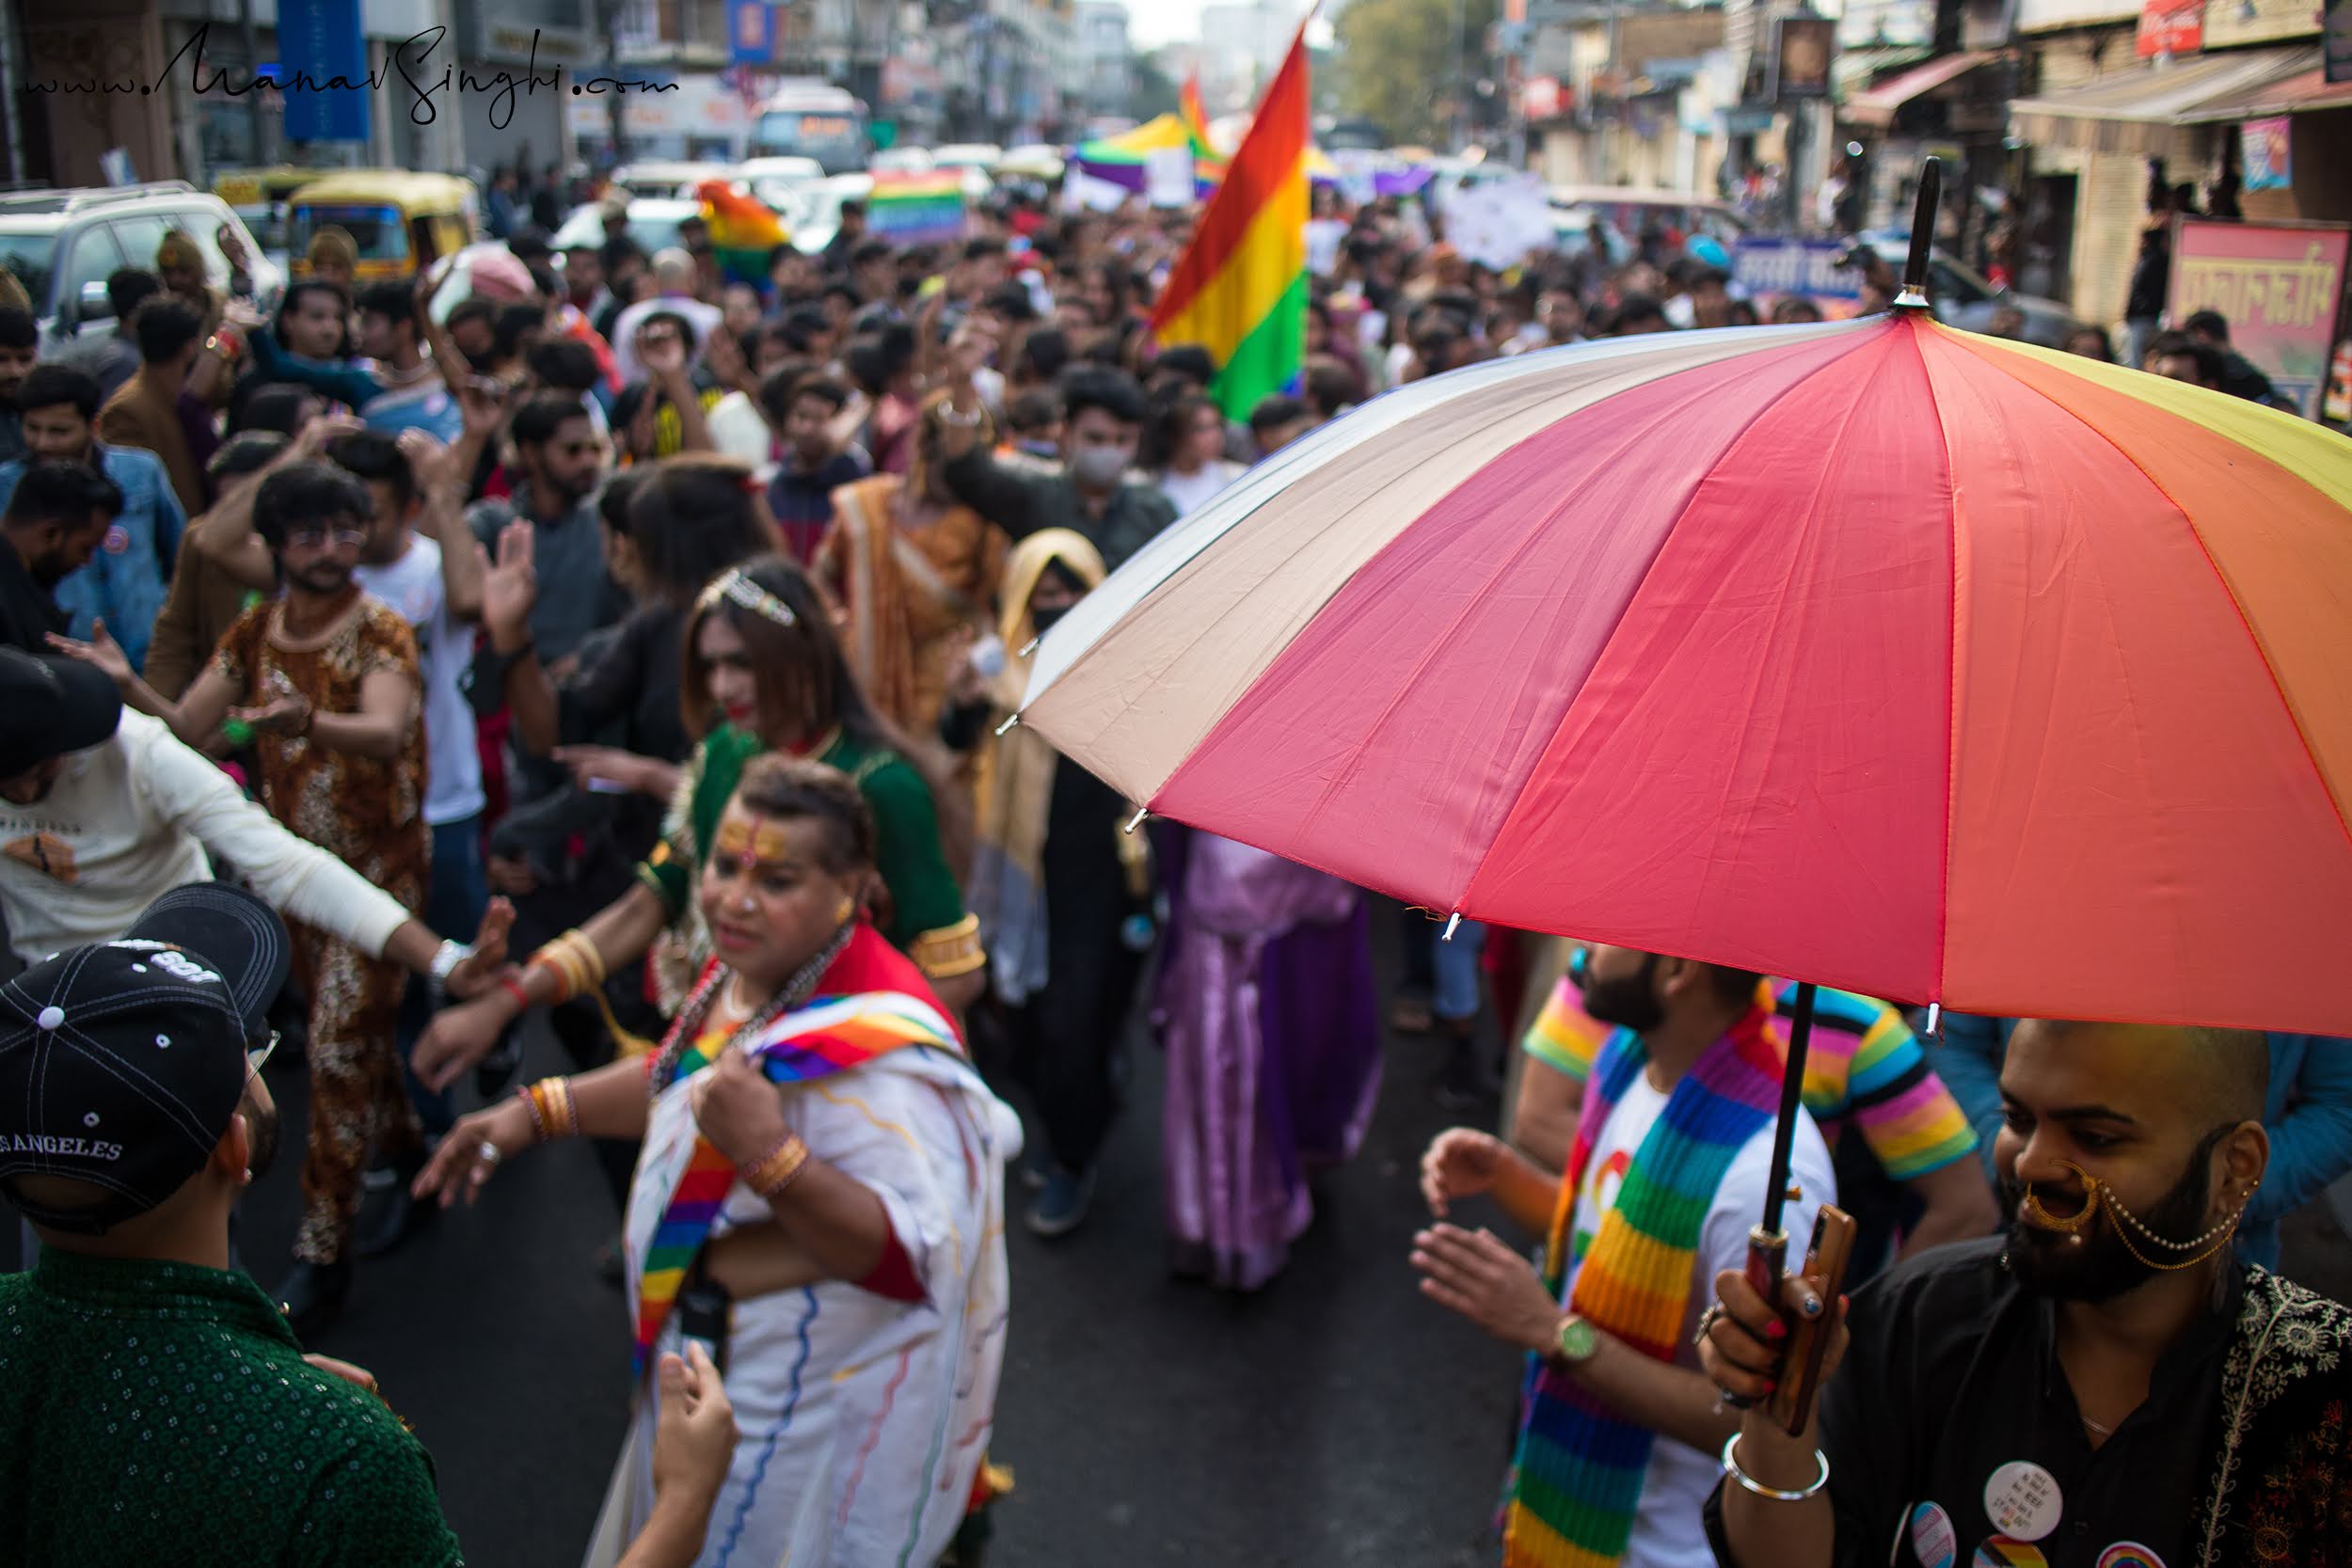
1932, 666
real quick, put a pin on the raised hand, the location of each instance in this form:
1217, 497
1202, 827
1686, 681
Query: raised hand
510, 587
101, 652
1745, 1337
1461, 1163
481, 403
471, 1151
693, 1435
286, 715
459, 1037
478, 973
1476, 1275
738, 1109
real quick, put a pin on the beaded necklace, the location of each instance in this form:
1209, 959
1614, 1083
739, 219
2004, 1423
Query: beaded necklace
792, 993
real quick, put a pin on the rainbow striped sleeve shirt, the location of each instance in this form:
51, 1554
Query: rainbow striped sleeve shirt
1864, 1068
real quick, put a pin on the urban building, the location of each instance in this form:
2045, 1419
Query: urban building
1102, 54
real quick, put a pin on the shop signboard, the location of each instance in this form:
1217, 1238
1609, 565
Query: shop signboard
324, 52
2278, 286
1773, 266
2172, 27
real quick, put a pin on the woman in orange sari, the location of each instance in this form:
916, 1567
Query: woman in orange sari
918, 572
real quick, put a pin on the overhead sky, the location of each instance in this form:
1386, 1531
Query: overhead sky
1157, 22
1153, 23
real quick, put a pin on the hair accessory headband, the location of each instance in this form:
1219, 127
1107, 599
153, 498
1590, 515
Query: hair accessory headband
733, 586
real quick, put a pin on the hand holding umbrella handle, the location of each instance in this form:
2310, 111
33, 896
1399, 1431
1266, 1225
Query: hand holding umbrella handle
1768, 1256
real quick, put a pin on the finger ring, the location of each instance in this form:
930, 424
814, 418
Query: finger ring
487, 1152
1707, 1321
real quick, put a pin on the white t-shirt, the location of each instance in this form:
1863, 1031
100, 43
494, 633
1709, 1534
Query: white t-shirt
412, 586
132, 819
1189, 492
1667, 1531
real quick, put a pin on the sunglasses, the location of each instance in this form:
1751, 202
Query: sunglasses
313, 537
256, 1055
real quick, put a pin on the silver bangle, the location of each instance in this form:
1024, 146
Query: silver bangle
1731, 1469
446, 958
948, 416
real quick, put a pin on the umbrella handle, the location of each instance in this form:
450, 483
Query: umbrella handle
1768, 1256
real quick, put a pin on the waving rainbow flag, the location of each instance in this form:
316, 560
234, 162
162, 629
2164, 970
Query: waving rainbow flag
907, 207
742, 230
1240, 289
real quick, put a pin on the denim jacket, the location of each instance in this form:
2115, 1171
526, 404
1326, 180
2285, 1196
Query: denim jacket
126, 581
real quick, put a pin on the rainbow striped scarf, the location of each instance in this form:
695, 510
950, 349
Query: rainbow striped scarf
1576, 1480
829, 1035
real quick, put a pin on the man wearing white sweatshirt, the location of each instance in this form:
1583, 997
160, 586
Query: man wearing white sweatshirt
104, 810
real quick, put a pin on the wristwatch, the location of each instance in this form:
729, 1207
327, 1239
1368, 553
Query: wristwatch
446, 958
1578, 1339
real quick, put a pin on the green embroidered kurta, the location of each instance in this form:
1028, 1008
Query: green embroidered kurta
926, 919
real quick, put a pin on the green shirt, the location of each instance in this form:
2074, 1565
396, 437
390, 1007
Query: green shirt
924, 896
161, 1413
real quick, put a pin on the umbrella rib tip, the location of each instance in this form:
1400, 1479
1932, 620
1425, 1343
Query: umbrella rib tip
1006, 728
1453, 923
1935, 1020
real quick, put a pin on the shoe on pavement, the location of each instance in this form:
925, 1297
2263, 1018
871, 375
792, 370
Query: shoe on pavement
1037, 1167
390, 1216
313, 1296
1062, 1207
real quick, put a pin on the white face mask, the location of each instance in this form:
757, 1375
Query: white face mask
1097, 468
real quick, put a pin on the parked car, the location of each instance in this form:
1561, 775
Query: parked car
1963, 297
61, 245
652, 223
666, 177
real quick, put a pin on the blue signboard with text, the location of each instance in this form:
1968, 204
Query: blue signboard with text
323, 61
1768, 266
751, 33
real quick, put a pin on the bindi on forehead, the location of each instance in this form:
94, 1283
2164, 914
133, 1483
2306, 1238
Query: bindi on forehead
762, 839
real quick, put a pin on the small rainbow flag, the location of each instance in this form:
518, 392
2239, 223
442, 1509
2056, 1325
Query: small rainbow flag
1240, 289
911, 208
742, 230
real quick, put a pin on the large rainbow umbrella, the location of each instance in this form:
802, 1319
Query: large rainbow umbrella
1936, 667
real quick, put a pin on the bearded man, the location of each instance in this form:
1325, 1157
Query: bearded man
2105, 1386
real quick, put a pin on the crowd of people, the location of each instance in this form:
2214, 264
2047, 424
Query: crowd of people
624, 639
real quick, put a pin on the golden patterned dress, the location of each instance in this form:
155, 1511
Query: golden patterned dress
369, 813
911, 591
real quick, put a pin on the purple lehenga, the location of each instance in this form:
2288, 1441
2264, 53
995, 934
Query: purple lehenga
1266, 1006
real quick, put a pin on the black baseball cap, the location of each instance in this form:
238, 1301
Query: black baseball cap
50, 705
121, 1063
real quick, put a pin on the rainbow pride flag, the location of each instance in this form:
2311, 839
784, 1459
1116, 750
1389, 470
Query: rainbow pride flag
1240, 289
743, 230
911, 208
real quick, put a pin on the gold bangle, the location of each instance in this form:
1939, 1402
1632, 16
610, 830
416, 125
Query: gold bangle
554, 1111
778, 1169
545, 961
591, 961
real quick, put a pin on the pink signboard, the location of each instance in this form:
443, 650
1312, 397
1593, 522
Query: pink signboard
2276, 284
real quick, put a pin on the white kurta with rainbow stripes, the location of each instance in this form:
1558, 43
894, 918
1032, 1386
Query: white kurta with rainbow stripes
862, 1420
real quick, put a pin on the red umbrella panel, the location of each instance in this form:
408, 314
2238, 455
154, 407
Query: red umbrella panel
1930, 666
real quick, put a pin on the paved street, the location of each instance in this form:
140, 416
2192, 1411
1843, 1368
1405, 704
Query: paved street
1335, 1417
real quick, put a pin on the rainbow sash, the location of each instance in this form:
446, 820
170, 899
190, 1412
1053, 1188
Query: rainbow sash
1576, 1480
831, 1035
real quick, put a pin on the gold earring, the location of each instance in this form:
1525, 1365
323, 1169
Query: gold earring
841, 916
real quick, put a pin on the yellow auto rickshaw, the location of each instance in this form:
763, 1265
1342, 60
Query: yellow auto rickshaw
399, 222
